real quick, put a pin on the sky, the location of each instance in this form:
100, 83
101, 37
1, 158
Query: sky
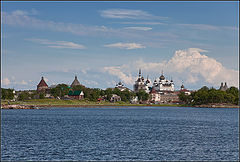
102, 43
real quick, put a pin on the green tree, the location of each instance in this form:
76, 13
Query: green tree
60, 90
185, 98
206, 96
41, 96
78, 87
109, 93
204, 88
23, 96
7, 93
235, 92
142, 95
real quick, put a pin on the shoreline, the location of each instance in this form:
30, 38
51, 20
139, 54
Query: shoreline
36, 106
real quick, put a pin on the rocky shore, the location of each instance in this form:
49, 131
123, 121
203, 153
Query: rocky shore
19, 107
218, 106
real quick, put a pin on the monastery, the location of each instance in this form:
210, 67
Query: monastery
162, 91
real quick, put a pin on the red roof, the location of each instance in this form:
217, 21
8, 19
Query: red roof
184, 90
42, 83
153, 91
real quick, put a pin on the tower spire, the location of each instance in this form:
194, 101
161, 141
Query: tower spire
139, 73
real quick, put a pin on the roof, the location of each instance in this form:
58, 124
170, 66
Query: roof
75, 93
162, 77
184, 90
75, 82
42, 83
153, 91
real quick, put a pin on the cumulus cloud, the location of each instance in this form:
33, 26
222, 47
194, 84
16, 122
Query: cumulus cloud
193, 64
125, 45
138, 28
6, 81
117, 71
128, 14
58, 44
188, 65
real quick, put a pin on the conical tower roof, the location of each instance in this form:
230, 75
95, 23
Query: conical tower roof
42, 83
75, 82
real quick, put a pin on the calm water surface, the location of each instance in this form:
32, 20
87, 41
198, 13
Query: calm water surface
135, 133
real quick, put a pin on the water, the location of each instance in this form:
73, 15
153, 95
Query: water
135, 133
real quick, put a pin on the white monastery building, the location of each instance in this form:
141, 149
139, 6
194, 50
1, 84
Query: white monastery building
141, 84
163, 84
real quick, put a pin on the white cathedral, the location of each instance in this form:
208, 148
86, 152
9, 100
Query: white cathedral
141, 84
163, 85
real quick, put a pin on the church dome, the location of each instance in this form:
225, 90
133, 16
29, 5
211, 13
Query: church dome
147, 81
161, 77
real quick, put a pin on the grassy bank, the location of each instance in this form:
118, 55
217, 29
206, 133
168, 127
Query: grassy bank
84, 103
56, 102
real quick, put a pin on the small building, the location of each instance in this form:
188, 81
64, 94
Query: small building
169, 97
184, 90
155, 96
102, 98
79, 95
134, 100
42, 86
223, 87
115, 98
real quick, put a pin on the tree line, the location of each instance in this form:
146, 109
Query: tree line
207, 95
93, 94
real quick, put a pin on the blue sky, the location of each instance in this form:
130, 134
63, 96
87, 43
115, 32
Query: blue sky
106, 42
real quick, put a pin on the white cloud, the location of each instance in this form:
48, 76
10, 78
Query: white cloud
19, 13
143, 23
21, 18
207, 27
125, 45
23, 13
128, 14
23, 82
117, 71
188, 65
58, 44
45, 79
6, 81
138, 28
90, 82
